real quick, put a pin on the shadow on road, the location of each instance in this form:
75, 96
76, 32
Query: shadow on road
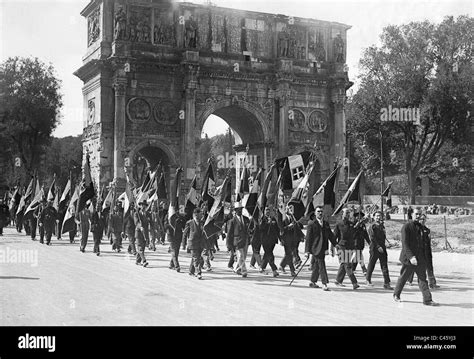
14, 277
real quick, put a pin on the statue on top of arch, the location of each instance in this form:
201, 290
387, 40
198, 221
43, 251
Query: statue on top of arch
120, 24
339, 49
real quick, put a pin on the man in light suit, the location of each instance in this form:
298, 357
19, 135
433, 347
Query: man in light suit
195, 236
318, 234
238, 237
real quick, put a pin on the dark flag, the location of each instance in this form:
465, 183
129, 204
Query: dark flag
352, 194
87, 187
208, 185
215, 218
325, 193
66, 195
192, 199
299, 197
242, 184
68, 223
173, 209
262, 197
279, 199
250, 200
161, 192
388, 193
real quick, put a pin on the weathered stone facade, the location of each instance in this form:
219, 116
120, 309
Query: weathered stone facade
155, 70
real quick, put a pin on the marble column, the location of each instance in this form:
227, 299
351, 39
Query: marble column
119, 130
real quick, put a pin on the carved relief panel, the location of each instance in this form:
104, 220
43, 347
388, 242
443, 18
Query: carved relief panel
139, 24
93, 26
164, 32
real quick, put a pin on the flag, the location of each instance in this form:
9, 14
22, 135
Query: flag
192, 199
109, 199
262, 197
215, 218
173, 208
56, 201
388, 193
26, 195
128, 199
295, 169
16, 197
161, 192
250, 200
66, 195
352, 194
36, 201
208, 186
242, 186
279, 198
87, 187
52, 190
299, 197
325, 193
68, 223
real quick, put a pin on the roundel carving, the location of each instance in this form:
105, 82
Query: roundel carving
317, 121
296, 120
165, 113
138, 110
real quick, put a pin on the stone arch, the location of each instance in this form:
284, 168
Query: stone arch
220, 106
152, 143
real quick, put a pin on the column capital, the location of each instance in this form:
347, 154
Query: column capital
120, 87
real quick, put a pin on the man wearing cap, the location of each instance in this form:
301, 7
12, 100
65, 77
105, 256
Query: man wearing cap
83, 220
194, 234
318, 235
412, 257
378, 251
238, 237
47, 221
141, 233
97, 228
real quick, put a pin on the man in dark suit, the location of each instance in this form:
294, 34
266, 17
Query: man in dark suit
344, 235
378, 251
141, 233
269, 233
195, 236
412, 257
238, 237
4, 216
174, 234
318, 233
47, 221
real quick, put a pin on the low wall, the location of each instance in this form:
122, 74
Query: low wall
454, 201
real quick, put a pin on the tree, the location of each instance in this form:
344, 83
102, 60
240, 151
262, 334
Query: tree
419, 66
32, 103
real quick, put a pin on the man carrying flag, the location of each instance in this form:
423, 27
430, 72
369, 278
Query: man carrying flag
208, 185
238, 238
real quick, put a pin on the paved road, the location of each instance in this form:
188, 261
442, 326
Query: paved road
63, 286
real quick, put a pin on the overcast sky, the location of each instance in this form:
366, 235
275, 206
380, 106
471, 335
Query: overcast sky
55, 32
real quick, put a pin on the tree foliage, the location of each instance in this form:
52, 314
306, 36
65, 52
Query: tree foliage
32, 102
418, 65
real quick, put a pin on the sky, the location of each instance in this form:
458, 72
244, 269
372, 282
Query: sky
55, 32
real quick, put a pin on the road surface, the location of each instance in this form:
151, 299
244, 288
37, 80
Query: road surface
59, 285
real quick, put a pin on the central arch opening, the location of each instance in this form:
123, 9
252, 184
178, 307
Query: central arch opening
226, 135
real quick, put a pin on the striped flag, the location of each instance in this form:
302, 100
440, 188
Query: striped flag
36, 201
192, 199
208, 186
66, 195
299, 197
215, 218
52, 190
68, 223
250, 200
87, 187
173, 208
109, 199
352, 194
388, 193
325, 193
